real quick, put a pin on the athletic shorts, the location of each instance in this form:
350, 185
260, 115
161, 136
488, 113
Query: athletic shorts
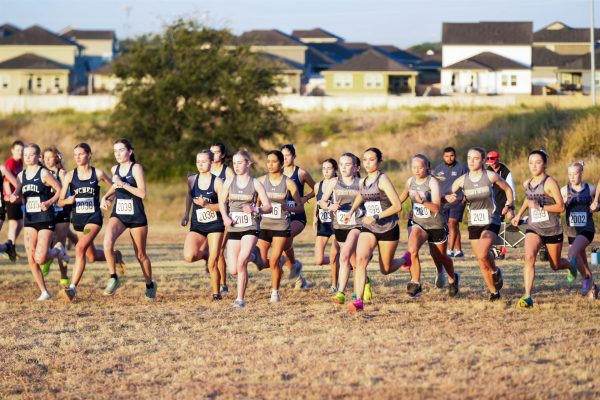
554, 239
342, 234
62, 217
81, 228
240, 235
300, 217
38, 226
205, 232
455, 211
14, 211
586, 234
324, 229
476, 231
132, 224
388, 236
434, 236
268, 234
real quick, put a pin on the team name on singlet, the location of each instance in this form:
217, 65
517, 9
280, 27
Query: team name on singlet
31, 188
241, 197
537, 197
476, 191
84, 190
276, 196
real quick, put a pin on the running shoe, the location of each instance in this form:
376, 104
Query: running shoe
593, 294
586, 286
454, 287
65, 282
151, 292
459, 254
339, 298
46, 267
526, 302
407, 261
413, 289
67, 294
498, 279
494, 296
11, 250
275, 296
368, 293
333, 290
217, 297
441, 280
63, 257
356, 305
572, 271
449, 253
224, 288
44, 296
239, 303
111, 286
295, 270
258, 261
300, 283
119, 263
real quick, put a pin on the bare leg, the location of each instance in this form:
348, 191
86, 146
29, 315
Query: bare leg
31, 239
114, 229
191, 247
481, 249
138, 238
533, 244
348, 248
84, 242
214, 250
364, 251
416, 239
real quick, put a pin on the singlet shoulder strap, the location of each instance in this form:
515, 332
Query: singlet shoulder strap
131, 169
76, 175
95, 175
118, 170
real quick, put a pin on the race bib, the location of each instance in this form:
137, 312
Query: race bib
204, 215
84, 205
537, 215
33, 205
124, 206
578, 219
340, 215
420, 211
241, 219
324, 216
291, 203
479, 217
275, 212
373, 207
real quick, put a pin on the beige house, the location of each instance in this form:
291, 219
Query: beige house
316, 35
100, 47
33, 74
370, 72
290, 74
103, 79
563, 39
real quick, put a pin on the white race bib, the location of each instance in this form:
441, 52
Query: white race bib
324, 216
479, 217
538, 215
373, 207
84, 205
124, 206
275, 212
340, 215
578, 219
420, 211
241, 219
33, 205
204, 215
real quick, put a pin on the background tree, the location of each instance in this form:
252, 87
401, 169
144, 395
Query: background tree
188, 87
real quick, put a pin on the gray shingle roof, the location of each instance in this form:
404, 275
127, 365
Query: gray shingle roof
36, 35
272, 37
495, 33
542, 57
282, 63
31, 61
316, 33
317, 58
488, 61
582, 62
334, 51
8, 29
565, 35
77, 34
371, 60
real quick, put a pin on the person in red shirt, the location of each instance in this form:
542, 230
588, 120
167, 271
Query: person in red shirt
14, 212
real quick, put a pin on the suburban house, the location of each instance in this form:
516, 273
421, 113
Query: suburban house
370, 72
36, 61
103, 79
100, 47
487, 57
316, 35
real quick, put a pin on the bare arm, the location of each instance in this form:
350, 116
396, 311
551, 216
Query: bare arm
305, 178
506, 208
188, 201
14, 196
63, 200
9, 176
552, 190
324, 203
49, 180
223, 198
293, 189
140, 180
266, 207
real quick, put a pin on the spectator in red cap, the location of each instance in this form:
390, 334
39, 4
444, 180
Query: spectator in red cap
494, 164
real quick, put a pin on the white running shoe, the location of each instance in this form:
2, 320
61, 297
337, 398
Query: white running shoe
239, 303
44, 296
275, 296
441, 279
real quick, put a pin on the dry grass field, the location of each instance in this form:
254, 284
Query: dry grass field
185, 346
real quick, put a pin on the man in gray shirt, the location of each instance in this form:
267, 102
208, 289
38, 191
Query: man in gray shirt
447, 173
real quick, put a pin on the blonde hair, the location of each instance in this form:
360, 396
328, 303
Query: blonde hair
245, 154
577, 164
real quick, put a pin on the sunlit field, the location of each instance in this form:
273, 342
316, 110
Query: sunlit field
186, 346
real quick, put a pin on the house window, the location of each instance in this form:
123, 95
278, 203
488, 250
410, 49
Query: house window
4, 81
513, 80
373, 81
57, 82
504, 80
38, 83
342, 81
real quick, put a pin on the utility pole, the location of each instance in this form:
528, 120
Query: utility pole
592, 53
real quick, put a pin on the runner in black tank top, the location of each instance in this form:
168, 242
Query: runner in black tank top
81, 192
429, 225
578, 197
204, 240
35, 184
7, 247
300, 177
127, 192
323, 223
545, 203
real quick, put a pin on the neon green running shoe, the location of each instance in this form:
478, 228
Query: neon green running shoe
368, 294
572, 271
526, 302
46, 267
339, 298
64, 282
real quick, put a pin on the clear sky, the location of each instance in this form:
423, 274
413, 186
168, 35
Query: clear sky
398, 22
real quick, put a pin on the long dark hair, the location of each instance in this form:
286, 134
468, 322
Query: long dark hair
86, 147
128, 146
377, 152
333, 163
57, 155
356, 162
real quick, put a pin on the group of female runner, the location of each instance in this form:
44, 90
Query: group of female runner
237, 219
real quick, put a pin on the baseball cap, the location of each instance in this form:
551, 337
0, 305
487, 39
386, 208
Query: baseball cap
492, 157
